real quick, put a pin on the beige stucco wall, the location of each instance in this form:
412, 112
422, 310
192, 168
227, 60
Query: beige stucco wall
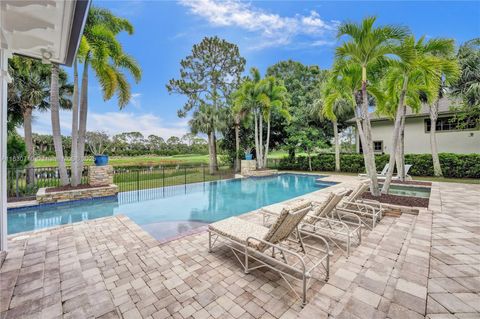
417, 140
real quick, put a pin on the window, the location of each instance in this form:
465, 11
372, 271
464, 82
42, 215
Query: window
449, 124
378, 146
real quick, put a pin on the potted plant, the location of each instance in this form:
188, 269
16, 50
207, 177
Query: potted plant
98, 143
248, 153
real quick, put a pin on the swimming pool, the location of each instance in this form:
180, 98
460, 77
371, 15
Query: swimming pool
166, 212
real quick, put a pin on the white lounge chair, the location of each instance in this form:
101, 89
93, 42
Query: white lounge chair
383, 173
323, 222
267, 247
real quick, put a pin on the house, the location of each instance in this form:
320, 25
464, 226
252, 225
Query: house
451, 137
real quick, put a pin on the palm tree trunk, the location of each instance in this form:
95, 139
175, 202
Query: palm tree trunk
260, 129
257, 154
57, 135
74, 148
368, 147
395, 138
267, 144
437, 168
237, 145
337, 146
82, 126
401, 147
27, 130
212, 151
361, 134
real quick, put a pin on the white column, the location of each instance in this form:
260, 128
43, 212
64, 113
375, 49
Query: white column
3, 148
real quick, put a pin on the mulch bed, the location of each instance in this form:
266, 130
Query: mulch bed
70, 188
398, 200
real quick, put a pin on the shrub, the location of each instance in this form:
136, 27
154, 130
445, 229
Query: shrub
453, 165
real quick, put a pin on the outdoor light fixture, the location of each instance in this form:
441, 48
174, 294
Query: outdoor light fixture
46, 56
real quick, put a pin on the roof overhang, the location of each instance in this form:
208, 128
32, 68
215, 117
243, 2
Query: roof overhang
50, 30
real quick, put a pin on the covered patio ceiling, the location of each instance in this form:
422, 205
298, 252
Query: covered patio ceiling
49, 30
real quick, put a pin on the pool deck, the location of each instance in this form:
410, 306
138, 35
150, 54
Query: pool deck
407, 267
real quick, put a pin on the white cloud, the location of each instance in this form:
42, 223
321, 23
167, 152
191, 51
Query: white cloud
273, 29
135, 100
113, 123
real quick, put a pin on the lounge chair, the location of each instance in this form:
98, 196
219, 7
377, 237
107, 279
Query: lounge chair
369, 212
382, 173
267, 247
322, 221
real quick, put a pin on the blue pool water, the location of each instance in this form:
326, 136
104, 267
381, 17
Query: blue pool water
165, 212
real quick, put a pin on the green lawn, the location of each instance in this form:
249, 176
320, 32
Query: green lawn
137, 160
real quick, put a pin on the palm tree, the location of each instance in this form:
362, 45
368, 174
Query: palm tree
57, 135
205, 120
273, 97
368, 46
450, 70
29, 91
101, 50
259, 97
246, 101
418, 71
340, 94
337, 101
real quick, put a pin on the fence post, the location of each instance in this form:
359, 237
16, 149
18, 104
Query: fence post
138, 179
185, 173
163, 182
16, 183
203, 166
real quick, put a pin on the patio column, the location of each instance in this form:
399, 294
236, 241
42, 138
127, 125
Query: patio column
4, 55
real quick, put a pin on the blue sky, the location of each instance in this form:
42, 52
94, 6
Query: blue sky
265, 31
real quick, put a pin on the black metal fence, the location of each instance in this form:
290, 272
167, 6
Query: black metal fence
24, 183
131, 179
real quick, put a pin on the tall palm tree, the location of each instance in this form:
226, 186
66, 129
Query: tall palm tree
337, 101
259, 97
246, 101
418, 71
368, 46
273, 97
55, 115
101, 51
450, 71
239, 114
30, 91
341, 92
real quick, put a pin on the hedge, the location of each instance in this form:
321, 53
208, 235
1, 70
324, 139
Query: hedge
453, 165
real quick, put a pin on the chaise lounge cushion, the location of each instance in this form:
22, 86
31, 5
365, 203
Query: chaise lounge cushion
239, 230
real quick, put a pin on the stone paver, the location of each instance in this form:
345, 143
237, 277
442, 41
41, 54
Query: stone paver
407, 267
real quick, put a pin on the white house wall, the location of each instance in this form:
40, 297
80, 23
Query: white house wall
417, 140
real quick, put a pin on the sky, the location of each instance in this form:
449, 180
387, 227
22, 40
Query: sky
266, 32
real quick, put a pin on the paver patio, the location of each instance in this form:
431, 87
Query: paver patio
407, 267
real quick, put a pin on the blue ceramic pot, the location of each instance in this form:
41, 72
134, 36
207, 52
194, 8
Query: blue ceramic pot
248, 157
101, 160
